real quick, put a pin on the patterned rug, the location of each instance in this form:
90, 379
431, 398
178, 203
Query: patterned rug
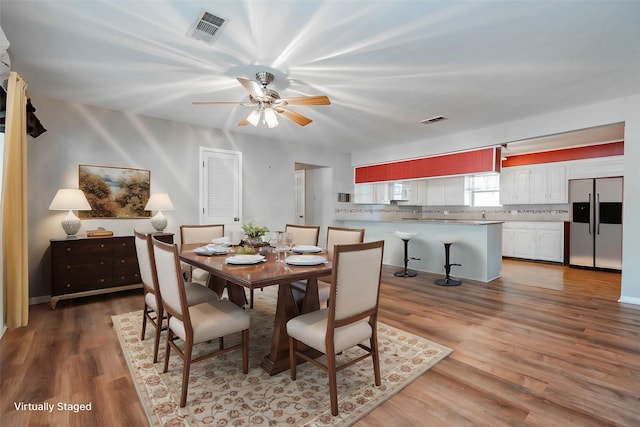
220, 394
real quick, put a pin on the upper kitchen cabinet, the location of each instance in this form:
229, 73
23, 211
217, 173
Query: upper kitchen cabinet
549, 184
445, 191
544, 184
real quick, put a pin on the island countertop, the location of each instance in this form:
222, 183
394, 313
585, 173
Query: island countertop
452, 221
479, 249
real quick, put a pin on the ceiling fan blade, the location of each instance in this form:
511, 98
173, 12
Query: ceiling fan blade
306, 100
221, 103
293, 116
252, 87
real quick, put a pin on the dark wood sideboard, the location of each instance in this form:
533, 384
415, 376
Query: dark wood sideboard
85, 266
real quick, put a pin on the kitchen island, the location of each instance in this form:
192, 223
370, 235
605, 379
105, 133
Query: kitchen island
479, 249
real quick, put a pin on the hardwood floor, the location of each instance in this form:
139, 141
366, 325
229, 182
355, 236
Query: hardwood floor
544, 345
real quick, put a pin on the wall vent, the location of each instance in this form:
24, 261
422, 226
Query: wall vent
207, 27
433, 120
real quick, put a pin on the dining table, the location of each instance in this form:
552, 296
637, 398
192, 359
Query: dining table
291, 302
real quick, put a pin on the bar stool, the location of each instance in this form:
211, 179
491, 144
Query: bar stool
405, 237
448, 281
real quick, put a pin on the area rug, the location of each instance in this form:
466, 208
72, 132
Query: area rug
220, 394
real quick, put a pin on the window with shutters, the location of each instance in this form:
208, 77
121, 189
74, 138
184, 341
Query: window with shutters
220, 186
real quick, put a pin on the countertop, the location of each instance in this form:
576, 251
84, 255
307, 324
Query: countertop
452, 221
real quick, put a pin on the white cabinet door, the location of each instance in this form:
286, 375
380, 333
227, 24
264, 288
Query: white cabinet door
514, 186
417, 193
454, 191
507, 241
363, 193
524, 241
382, 193
549, 242
435, 192
558, 184
539, 185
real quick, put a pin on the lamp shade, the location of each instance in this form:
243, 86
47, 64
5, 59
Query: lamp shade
159, 202
69, 199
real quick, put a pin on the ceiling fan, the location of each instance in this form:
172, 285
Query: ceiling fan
268, 103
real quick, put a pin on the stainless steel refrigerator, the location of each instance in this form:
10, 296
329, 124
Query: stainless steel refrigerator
596, 223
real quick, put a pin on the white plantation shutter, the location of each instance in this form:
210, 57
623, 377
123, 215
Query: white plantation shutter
221, 186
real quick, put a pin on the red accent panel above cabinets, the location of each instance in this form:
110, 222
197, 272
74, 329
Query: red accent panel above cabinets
578, 153
468, 162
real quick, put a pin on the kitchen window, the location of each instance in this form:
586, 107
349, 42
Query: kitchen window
482, 190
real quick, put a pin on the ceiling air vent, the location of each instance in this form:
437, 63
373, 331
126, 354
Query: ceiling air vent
207, 27
433, 120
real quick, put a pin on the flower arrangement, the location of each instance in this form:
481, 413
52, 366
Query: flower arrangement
254, 231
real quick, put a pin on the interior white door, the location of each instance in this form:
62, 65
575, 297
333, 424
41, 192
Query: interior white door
300, 196
220, 186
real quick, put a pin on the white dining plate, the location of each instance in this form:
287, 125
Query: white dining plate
305, 260
306, 249
245, 259
211, 250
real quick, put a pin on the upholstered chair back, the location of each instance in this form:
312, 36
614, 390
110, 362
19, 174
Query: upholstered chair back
304, 234
144, 260
357, 279
200, 233
169, 278
342, 236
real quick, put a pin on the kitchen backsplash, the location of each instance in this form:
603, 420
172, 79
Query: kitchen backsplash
358, 212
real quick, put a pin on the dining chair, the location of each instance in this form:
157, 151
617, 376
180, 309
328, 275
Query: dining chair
350, 319
335, 236
202, 234
304, 234
153, 310
198, 323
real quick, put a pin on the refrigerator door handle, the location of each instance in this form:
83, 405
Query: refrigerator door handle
597, 213
590, 216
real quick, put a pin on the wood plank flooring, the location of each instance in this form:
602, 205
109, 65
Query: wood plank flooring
544, 345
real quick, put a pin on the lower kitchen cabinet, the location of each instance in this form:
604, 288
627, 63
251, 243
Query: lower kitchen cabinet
96, 265
542, 241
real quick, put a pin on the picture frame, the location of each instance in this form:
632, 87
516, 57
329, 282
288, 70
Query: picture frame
115, 192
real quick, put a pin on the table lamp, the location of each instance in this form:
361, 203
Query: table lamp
159, 202
70, 199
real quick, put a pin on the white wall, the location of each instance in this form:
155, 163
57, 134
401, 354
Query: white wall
615, 111
79, 134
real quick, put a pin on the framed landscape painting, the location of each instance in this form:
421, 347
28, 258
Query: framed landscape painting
115, 192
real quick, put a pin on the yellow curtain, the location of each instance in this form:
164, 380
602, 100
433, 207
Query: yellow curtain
14, 205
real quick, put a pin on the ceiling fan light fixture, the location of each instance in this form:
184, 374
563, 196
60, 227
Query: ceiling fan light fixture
270, 118
254, 117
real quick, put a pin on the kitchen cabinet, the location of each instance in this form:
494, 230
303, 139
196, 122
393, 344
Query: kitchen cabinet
363, 193
548, 185
445, 191
417, 192
544, 184
533, 240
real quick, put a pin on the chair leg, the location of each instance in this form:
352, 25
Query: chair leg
188, 347
144, 322
333, 383
292, 358
156, 345
221, 343
375, 356
245, 351
167, 349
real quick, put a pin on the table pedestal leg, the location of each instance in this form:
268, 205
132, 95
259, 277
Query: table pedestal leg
286, 308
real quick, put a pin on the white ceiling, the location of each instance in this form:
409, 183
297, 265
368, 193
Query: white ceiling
385, 65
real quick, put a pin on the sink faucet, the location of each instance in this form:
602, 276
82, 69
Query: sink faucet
484, 215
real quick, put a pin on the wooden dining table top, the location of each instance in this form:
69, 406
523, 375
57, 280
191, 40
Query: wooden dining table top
253, 276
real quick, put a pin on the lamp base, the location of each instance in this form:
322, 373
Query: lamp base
159, 222
71, 224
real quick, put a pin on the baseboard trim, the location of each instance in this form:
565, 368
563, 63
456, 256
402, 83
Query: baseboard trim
630, 300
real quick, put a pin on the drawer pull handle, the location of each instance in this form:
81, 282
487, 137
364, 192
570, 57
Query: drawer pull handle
68, 285
68, 249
